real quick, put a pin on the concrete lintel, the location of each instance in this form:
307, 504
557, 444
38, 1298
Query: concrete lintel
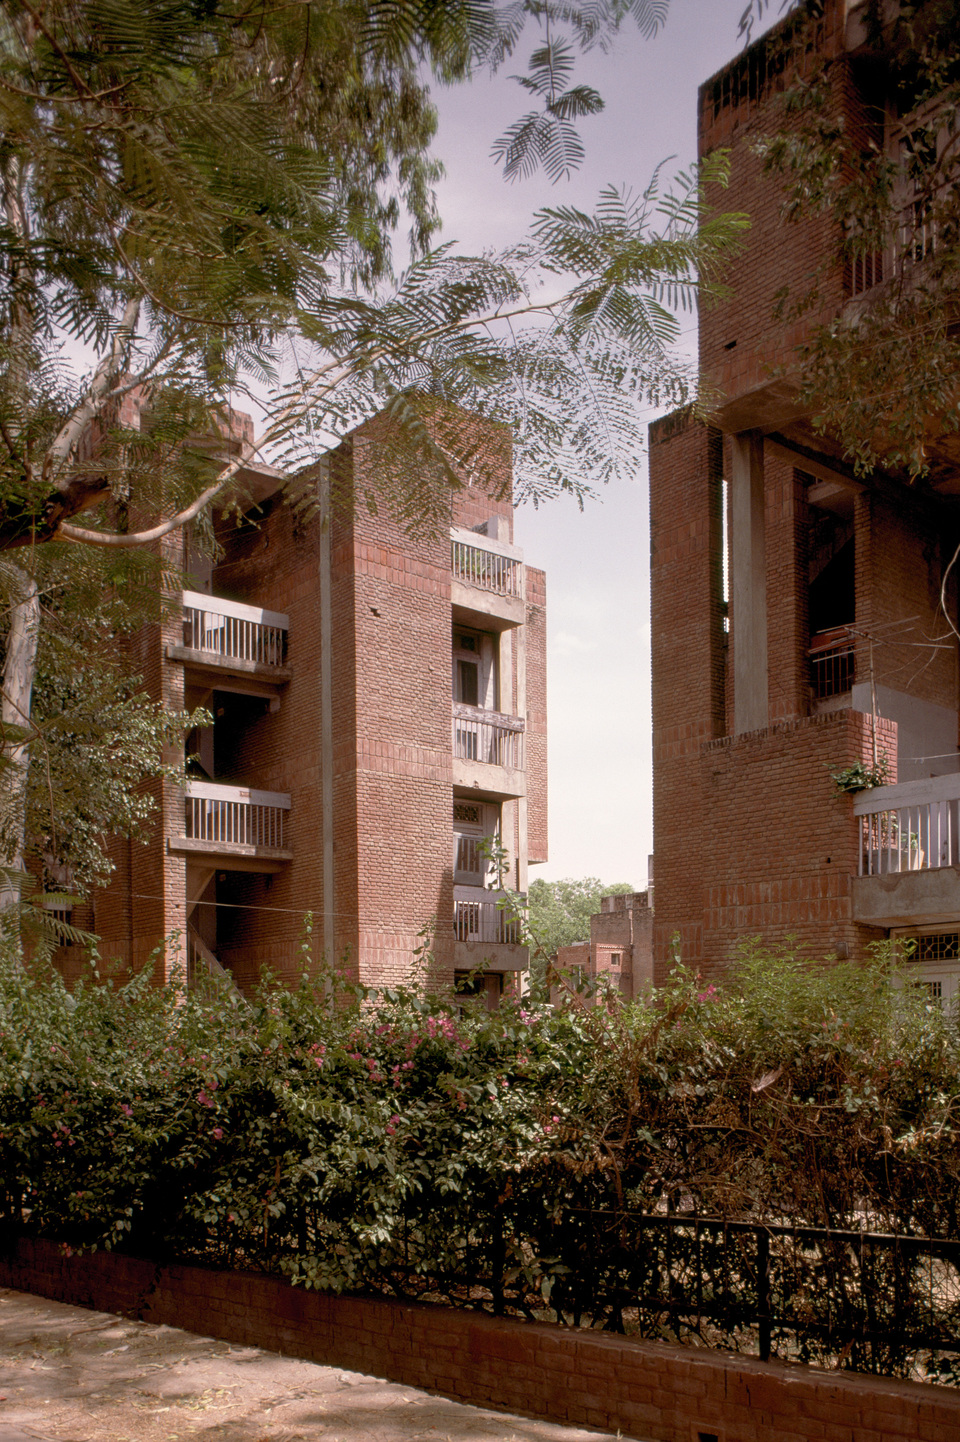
231, 856
221, 667
491, 956
485, 610
486, 782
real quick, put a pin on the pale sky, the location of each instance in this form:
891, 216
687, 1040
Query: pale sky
597, 562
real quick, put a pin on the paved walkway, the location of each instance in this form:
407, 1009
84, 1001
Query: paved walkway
68, 1375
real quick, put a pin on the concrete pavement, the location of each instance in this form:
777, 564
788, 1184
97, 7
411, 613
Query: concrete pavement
69, 1375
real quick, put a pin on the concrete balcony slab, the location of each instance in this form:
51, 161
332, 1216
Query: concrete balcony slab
907, 898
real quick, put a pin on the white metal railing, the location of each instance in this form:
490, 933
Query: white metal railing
487, 736
480, 918
832, 664
912, 826
487, 569
234, 630
235, 815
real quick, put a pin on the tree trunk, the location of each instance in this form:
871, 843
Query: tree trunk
18, 673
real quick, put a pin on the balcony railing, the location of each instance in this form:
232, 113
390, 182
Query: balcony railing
909, 827
232, 630
487, 736
487, 569
832, 664
484, 921
235, 815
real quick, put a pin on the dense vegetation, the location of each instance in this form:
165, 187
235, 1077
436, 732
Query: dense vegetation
395, 1142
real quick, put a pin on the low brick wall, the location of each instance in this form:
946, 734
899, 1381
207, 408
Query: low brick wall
645, 1390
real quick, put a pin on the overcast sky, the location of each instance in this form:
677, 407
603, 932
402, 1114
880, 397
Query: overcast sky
597, 562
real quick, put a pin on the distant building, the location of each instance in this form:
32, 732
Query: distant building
620, 950
796, 618
379, 711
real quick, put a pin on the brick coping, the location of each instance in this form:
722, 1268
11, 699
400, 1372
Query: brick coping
647, 1390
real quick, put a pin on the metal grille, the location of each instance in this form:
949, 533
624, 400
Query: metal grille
909, 838
233, 637
470, 815
487, 736
239, 823
940, 946
832, 669
866, 271
485, 921
487, 569
468, 855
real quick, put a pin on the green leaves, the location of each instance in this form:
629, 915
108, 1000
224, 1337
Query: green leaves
548, 139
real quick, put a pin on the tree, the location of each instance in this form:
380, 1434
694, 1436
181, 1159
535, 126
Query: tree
883, 380
187, 267
559, 912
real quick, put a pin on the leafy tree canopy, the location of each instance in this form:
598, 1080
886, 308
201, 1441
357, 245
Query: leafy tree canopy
560, 911
881, 377
196, 194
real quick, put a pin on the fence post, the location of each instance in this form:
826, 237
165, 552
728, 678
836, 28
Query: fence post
763, 1292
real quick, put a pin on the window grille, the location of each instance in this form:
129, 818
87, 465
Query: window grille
936, 946
469, 814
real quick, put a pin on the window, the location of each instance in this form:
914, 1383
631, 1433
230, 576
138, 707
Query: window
936, 956
468, 683
472, 822
475, 656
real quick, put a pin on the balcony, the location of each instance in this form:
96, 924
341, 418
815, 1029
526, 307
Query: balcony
832, 664
486, 934
488, 753
486, 582
909, 853
238, 828
223, 639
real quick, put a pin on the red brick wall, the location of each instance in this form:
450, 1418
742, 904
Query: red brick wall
899, 574
392, 762
740, 343
646, 1390
780, 846
687, 647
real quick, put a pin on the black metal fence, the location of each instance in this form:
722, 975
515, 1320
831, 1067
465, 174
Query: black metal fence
870, 1301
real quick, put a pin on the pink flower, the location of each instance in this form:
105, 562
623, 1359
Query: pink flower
218, 1132
127, 1110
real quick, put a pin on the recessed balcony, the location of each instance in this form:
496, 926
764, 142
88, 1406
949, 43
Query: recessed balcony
486, 931
229, 639
488, 757
832, 657
487, 582
909, 853
237, 827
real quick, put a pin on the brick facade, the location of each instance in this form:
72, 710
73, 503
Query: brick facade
369, 848
644, 1390
620, 949
796, 623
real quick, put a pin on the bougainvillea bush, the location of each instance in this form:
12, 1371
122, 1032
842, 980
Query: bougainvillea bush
357, 1140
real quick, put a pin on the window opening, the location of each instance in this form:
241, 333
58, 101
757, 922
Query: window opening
468, 683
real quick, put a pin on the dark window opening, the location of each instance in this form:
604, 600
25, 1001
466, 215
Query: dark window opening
468, 683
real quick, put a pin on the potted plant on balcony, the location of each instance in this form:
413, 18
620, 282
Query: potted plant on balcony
859, 777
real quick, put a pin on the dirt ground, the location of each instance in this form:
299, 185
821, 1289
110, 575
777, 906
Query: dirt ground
69, 1375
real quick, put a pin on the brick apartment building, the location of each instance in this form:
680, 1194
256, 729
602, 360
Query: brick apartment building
795, 610
620, 949
379, 709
